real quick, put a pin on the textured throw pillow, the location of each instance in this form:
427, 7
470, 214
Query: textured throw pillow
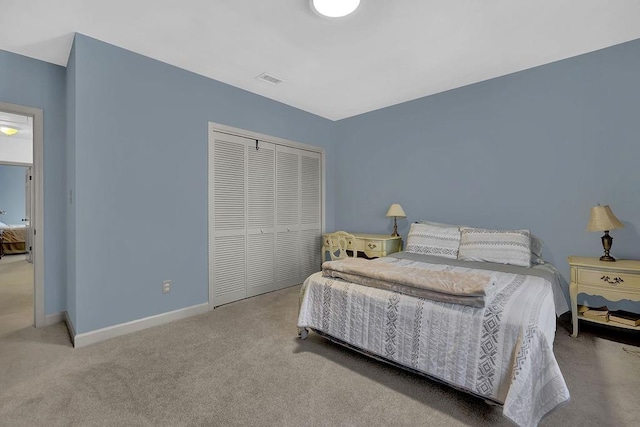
536, 250
500, 246
433, 240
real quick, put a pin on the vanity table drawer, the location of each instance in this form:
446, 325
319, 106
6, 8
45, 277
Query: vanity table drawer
370, 245
598, 277
327, 242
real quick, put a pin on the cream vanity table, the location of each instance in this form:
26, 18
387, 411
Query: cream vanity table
372, 245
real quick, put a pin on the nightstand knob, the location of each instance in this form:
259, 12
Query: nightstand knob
613, 281
372, 245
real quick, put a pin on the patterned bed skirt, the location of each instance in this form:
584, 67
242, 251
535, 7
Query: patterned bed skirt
488, 400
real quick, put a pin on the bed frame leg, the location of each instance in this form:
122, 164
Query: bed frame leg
303, 333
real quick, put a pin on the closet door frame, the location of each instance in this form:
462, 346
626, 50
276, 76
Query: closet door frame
217, 127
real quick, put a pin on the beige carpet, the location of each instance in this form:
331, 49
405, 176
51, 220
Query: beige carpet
16, 293
243, 365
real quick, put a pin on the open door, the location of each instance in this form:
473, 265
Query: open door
28, 180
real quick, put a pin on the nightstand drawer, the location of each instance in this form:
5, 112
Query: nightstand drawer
611, 278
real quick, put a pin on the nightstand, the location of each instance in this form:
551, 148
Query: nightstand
612, 280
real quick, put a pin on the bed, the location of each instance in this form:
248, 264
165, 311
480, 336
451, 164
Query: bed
14, 238
500, 350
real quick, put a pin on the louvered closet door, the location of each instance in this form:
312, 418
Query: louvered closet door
261, 219
288, 216
310, 213
227, 218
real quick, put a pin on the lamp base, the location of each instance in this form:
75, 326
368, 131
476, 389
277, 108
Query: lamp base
607, 241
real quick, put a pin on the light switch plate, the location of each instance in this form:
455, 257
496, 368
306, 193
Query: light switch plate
166, 286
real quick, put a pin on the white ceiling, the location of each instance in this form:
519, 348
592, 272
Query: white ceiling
16, 148
22, 123
386, 53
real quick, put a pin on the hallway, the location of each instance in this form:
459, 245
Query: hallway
16, 294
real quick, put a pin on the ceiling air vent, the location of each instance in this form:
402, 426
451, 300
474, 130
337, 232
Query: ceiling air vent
268, 78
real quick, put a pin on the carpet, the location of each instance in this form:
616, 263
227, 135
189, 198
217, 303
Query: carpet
242, 365
16, 293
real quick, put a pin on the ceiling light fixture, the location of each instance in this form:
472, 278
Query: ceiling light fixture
8, 131
334, 8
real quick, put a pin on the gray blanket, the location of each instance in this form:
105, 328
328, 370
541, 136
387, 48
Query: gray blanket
490, 266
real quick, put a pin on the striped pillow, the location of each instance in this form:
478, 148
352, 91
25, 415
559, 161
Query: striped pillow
433, 240
500, 246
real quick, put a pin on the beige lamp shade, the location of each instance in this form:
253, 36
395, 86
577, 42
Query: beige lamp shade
602, 219
396, 210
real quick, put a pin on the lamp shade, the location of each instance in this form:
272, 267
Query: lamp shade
602, 219
396, 210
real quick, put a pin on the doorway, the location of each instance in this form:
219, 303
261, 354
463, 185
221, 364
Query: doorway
21, 218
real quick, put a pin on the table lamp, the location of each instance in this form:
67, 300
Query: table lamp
603, 219
395, 211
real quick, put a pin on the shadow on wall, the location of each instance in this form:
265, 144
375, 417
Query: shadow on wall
630, 233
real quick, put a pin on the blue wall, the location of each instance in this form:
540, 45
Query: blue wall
37, 84
12, 193
535, 149
141, 178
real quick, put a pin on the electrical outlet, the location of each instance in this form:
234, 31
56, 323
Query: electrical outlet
166, 286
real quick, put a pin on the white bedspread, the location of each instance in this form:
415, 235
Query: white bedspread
502, 351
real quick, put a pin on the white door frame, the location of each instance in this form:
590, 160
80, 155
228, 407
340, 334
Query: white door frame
37, 225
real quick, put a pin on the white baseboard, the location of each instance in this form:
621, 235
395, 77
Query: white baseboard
52, 319
87, 338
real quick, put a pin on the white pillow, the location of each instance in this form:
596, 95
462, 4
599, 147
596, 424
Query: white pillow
3, 225
433, 240
500, 246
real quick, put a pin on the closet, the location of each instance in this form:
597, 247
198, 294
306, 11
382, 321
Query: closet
265, 214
